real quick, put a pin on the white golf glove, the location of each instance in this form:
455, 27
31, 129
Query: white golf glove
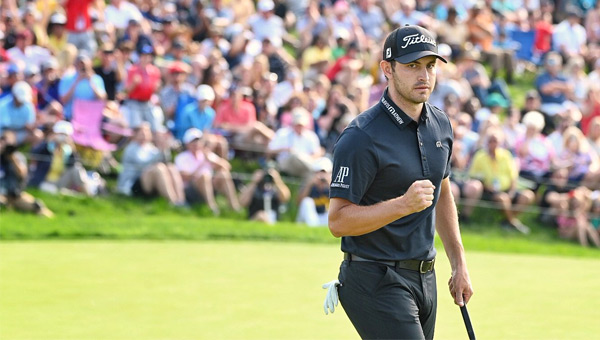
331, 299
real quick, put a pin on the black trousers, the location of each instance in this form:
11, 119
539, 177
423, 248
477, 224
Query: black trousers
384, 302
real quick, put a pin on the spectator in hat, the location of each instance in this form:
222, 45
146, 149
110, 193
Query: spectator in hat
56, 166
13, 179
265, 195
143, 80
553, 87
17, 114
313, 199
176, 94
215, 40
147, 171
296, 147
25, 52
83, 84
569, 37
120, 13
408, 14
111, 69
266, 25
58, 37
79, 23
204, 172
177, 51
495, 103
48, 86
201, 115
236, 119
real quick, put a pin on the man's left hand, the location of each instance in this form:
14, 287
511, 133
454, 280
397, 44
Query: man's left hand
460, 287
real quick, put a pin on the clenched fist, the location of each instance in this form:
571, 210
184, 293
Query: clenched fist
419, 196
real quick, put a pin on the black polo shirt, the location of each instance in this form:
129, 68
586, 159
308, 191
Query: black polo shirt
377, 157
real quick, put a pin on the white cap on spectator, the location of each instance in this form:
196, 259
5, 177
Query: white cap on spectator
50, 64
58, 18
191, 135
323, 164
63, 127
265, 5
22, 92
444, 50
535, 120
300, 116
205, 92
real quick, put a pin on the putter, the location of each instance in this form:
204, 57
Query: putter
467, 320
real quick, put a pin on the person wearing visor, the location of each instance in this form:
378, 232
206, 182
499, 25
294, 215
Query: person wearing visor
390, 192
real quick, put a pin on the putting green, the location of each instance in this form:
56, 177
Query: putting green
263, 290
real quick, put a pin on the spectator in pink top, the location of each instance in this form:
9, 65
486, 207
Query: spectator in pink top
236, 118
534, 151
203, 171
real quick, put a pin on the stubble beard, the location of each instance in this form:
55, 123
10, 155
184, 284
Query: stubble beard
406, 95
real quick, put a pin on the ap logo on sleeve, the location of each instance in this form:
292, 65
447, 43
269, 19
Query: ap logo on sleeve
342, 173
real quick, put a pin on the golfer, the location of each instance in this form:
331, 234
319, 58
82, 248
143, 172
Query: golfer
390, 189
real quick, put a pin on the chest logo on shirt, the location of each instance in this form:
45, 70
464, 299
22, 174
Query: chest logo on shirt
438, 144
338, 182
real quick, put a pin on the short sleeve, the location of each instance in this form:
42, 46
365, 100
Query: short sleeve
355, 164
183, 164
448, 170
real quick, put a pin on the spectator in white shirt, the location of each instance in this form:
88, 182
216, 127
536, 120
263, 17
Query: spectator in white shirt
569, 37
119, 12
297, 147
25, 52
265, 24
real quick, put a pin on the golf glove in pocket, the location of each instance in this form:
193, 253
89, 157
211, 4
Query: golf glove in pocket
331, 299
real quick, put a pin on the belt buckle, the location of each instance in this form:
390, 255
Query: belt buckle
430, 265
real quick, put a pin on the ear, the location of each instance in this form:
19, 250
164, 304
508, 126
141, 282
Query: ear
386, 68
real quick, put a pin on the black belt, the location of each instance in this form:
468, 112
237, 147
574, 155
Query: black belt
416, 265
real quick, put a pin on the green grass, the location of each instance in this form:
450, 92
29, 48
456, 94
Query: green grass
263, 290
123, 218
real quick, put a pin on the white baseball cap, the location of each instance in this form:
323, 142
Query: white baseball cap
63, 127
300, 116
323, 164
58, 18
22, 92
265, 5
190, 135
205, 92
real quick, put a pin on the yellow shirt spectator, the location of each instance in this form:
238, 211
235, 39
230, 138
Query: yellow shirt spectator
496, 173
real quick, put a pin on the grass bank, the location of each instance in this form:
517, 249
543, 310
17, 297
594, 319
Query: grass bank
123, 218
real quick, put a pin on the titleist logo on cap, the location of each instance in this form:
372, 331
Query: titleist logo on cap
417, 39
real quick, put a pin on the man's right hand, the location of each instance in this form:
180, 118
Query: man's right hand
419, 196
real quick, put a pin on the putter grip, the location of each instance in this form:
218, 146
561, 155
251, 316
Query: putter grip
467, 320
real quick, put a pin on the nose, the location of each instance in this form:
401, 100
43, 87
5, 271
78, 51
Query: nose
424, 75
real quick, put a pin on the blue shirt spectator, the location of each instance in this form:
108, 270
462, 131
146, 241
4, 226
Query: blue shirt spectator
198, 114
17, 111
84, 84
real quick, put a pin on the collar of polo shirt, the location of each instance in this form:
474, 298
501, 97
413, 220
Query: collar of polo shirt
400, 118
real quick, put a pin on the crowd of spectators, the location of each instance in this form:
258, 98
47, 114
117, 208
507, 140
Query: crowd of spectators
167, 93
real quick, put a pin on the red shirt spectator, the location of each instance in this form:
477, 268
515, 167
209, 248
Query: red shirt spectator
78, 16
235, 112
543, 34
148, 81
